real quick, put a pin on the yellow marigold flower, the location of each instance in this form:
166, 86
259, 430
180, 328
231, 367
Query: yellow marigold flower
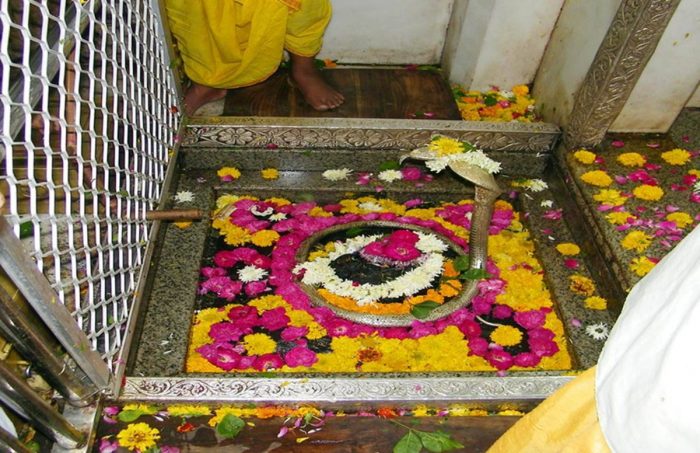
581, 285
585, 156
681, 219
506, 336
278, 201
421, 411
619, 218
269, 173
230, 172
264, 238
213, 315
642, 265
647, 192
445, 145
636, 240
226, 200
567, 248
610, 197
138, 436
597, 178
265, 303
259, 344
223, 412
521, 90
596, 303
511, 412
694, 172
188, 410
318, 211
676, 156
631, 159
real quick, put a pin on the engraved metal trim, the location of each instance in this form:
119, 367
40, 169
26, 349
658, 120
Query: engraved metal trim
342, 390
367, 133
628, 45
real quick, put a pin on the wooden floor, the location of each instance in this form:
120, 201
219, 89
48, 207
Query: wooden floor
369, 93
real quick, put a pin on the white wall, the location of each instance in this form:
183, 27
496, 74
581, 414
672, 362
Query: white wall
387, 31
581, 27
670, 77
694, 100
498, 42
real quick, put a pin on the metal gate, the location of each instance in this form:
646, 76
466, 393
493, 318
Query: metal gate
89, 118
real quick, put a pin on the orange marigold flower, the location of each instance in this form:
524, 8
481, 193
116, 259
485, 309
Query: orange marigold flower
581, 285
386, 412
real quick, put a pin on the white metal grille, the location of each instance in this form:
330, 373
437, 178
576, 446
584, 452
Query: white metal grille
87, 123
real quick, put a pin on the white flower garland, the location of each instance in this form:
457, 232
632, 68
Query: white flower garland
476, 158
320, 272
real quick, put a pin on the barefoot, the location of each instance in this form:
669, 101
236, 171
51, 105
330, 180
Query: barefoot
197, 95
317, 93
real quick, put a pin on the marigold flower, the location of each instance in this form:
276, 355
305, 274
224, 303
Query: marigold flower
631, 159
506, 335
681, 219
596, 303
610, 197
567, 248
138, 436
258, 344
521, 90
676, 156
581, 285
228, 173
647, 192
641, 265
269, 173
619, 218
597, 178
585, 156
636, 240
188, 410
264, 238
445, 145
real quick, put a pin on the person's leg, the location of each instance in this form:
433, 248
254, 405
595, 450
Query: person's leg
317, 93
197, 95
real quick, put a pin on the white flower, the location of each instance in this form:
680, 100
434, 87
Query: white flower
547, 203
696, 187
370, 206
535, 185
599, 331
437, 165
184, 196
251, 274
427, 243
339, 174
278, 216
476, 158
506, 94
390, 175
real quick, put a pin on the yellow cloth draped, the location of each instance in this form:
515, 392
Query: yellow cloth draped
234, 43
567, 421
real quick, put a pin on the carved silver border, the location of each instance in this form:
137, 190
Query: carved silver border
366, 133
628, 45
375, 391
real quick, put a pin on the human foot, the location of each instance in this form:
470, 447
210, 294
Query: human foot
317, 93
197, 95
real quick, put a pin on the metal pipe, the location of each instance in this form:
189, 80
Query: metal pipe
44, 300
10, 444
17, 395
36, 346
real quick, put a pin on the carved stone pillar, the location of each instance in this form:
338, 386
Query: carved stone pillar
629, 43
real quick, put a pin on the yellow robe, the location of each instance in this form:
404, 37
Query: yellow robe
235, 43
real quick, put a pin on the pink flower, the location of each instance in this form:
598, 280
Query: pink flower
478, 346
363, 178
502, 311
500, 359
111, 410
411, 173
617, 144
421, 329
108, 446
271, 146
571, 263
401, 251
226, 331
653, 145
252, 289
244, 315
542, 348
469, 328
337, 327
213, 272
530, 319
267, 362
553, 214
274, 319
413, 203
398, 333
293, 332
224, 287
222, 355
526, 359
300, 356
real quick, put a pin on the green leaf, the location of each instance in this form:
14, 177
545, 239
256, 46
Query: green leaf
474, 274
438, 441
490, 100
389, 165
33, 446
410, 443
26, 229
422, 310
461, 263
230, 426
130, 415
354, 231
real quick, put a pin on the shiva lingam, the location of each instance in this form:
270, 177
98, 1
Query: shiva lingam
405, 256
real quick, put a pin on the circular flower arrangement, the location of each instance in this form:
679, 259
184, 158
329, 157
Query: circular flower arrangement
253, 314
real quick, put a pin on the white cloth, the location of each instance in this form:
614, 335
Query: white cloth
648, 377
